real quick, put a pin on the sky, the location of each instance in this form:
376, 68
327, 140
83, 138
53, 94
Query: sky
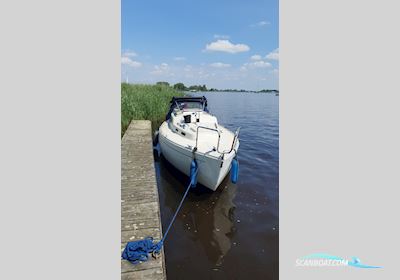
220, 43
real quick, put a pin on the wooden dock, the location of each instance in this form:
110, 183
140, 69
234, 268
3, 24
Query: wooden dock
140, 209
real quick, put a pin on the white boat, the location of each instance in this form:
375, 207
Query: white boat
191, 132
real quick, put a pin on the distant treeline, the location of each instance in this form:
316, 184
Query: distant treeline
244, 90
182, 87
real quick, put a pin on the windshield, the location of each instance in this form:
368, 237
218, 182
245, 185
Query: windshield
190, 105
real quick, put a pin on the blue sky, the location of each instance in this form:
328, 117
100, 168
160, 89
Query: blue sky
220, 43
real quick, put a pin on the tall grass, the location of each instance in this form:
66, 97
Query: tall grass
145, 102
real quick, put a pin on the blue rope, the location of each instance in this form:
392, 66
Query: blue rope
161, 243
137, 251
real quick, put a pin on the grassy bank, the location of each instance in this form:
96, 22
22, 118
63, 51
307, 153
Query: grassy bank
145, 102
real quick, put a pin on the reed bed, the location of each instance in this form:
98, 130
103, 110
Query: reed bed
145, 102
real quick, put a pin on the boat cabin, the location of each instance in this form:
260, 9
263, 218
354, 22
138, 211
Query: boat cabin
187, 113
198, 103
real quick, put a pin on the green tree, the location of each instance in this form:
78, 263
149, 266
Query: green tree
163, 84
179, 86
203, 88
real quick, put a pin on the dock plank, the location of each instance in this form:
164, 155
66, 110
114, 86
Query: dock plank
140, 207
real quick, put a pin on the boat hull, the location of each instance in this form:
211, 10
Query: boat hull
211, 170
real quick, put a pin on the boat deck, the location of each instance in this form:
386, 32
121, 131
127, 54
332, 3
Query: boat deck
140, 209
207, 140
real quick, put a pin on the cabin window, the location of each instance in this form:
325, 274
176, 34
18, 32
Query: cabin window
190, 105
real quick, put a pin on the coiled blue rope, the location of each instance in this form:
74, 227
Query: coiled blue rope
137, 251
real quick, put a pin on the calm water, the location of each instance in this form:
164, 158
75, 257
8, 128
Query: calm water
231, 233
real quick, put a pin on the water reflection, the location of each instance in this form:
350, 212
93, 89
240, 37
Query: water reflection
208, 215
223, 214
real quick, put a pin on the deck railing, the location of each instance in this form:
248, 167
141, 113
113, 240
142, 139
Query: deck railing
219, 138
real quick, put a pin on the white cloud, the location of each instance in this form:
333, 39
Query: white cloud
255, 64
220, 65
261, 64
129, 54
127, 61
260, 24
274, 55
256, 57
217, 36
179, 58
160, 69
226, 46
